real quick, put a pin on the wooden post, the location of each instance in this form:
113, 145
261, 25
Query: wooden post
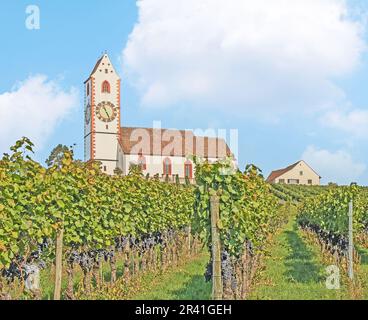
351, 244
189, 240
217, 288
58, 264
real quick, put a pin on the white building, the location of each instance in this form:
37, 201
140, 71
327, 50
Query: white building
156, 150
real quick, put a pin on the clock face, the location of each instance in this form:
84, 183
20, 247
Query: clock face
88, 114
106, 111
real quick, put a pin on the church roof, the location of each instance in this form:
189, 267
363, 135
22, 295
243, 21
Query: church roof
98, 63
96, 66
166, 142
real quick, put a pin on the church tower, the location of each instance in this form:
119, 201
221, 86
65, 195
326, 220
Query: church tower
102, 115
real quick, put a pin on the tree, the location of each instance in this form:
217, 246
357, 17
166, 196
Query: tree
332, 184
57, 154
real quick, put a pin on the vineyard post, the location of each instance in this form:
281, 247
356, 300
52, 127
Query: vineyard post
189, 239
216, 250
351, 244
59, 264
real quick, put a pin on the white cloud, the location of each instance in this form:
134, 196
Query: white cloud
352, 122
33, 108
336, 166
279, 54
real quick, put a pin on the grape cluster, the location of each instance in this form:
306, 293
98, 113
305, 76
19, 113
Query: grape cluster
227, 269
148, 241
107, 255
14, 271
22, 267
121, 242
335, 242
74, 257
86, 259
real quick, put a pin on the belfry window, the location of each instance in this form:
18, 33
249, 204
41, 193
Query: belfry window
105, 87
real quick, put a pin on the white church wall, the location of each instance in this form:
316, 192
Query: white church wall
106, 146
87, 126
154, 164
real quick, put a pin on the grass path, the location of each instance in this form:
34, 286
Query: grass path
294, 270
183, 283
363, 271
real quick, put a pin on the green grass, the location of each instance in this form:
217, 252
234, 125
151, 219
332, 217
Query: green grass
183, 283
294, 270
363, 271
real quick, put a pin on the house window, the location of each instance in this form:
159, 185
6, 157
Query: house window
105, 87
188, 170
282, 181
106, 71
301, 173
310, 182
167, 167
142, 163
293, 181
105, 169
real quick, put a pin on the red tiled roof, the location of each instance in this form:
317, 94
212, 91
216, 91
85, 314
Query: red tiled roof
277, 173
166, 142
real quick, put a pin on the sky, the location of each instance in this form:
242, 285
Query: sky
290, 75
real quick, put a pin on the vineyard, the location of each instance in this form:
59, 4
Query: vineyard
98, 217
326, 216
249, 214
296, 193
93, 236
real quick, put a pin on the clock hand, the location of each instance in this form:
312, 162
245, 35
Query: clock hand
106, 112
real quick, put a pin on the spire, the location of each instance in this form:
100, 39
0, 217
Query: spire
104, 59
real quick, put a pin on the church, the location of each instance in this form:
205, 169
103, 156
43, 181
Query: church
166, 152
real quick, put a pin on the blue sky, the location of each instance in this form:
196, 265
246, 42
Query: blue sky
292, 81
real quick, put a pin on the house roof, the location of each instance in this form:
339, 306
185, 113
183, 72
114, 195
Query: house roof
167, 142
277, 173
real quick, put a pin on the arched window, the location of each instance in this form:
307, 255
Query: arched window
105, 87
188, 169
142, 163
167, 167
